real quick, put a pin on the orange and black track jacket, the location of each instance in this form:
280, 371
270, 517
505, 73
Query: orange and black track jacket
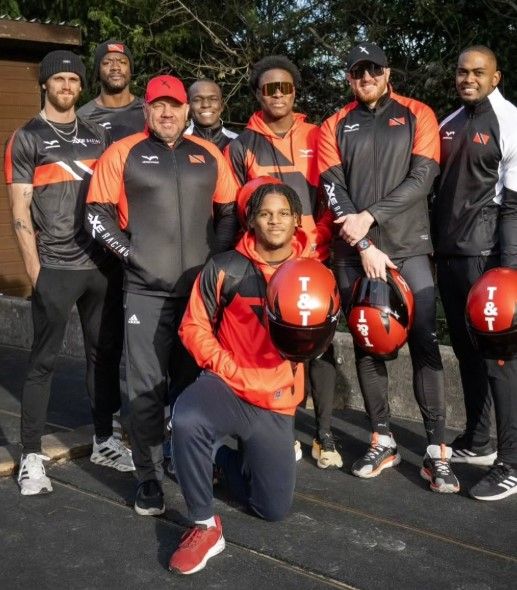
223, 328
292, 159
383, 160
59, 172
152, 206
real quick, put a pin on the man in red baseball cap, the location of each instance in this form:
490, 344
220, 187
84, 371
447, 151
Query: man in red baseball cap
157, 198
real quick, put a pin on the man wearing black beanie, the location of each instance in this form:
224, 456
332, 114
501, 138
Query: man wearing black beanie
115, 108
48, 165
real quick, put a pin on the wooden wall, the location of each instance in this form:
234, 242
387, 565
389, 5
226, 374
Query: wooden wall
19, 102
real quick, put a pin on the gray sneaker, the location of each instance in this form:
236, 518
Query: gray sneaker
112, 453
381, 454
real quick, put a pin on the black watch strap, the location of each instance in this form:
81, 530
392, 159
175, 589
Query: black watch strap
363, 244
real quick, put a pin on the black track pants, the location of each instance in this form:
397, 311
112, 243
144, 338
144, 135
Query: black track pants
481, 379
153, 356
320, 380
98, 295
428, 383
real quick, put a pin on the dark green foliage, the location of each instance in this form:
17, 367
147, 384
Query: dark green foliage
221, 40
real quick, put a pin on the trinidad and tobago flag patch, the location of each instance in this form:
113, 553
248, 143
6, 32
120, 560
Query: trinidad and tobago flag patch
481, 138
396, 121
196, 158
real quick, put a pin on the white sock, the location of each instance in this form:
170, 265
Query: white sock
209, 522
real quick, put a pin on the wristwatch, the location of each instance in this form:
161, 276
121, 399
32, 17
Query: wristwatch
362, 244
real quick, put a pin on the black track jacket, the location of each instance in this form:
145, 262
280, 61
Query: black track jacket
475, 209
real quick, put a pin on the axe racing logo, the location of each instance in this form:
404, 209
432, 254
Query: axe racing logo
108, 239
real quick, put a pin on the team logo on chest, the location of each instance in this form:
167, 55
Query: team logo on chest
49, 145
449, 135
150, 160
396, 121
482, 138
196, 158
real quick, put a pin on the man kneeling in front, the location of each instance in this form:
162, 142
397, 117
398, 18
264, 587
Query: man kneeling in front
247, 389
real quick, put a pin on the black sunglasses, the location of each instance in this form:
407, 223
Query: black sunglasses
270, 88
357, 72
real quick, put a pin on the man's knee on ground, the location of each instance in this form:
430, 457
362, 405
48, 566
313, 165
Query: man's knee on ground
272, 510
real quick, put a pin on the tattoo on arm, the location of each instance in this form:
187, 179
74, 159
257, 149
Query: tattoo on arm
20, 226
27, 193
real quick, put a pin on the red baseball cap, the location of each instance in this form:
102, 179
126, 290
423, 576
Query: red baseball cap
165, 87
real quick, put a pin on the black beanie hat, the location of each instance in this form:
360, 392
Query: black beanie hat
110, 46
61, 61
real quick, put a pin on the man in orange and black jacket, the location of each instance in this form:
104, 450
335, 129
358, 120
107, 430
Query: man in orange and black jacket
150, 203
378, 157
247, 389
279, 142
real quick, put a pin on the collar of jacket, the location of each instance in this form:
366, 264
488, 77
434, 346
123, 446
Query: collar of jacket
153, 137
205, 132
247, 247
474, 110
381, 104
257, 124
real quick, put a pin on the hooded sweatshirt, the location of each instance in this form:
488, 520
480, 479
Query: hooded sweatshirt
224, 327
258, 151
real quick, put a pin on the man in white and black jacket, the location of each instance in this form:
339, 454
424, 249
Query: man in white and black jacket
475, 229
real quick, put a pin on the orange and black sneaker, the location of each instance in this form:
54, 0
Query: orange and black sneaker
437, 470
381, 454
198, 544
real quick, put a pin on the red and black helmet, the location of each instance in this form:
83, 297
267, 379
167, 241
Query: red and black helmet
302, 309
380, 314
491, 313
245, 192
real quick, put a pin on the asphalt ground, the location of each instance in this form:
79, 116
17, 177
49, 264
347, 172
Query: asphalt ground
391, 532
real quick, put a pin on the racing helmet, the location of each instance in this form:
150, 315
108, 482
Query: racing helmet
380, 314
302, 309
491, 313
245, 192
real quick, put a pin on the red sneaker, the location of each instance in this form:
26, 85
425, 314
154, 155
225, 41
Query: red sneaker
196, 547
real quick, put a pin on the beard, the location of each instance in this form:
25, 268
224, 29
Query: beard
115, 87
62, 101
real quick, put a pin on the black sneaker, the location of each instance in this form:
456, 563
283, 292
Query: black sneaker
149, 499
500, 482
381, 455
465, 452
437, 470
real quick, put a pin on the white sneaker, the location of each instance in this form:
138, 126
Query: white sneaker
112, 453
32, 478
297, 451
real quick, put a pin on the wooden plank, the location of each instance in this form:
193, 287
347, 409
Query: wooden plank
15, 291
12, 268
23, 99
6, 229
10, 256
21, 113
26, 32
